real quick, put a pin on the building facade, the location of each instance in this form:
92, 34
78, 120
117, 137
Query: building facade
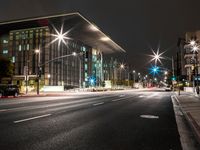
54, 62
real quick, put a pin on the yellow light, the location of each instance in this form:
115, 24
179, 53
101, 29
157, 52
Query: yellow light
37, 51
192, 42
93, 28
105, 38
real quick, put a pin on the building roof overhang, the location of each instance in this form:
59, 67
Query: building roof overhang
81, 29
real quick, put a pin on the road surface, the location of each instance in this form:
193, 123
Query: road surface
123, 120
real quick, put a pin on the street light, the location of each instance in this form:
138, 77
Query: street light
122, 66
156, 56
195, 49
37, 52
80, 66
134, 78
192, 42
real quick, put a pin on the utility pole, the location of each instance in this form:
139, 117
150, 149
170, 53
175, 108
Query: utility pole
173, 71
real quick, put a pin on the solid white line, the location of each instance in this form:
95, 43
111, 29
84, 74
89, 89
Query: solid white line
98, 104
37, 117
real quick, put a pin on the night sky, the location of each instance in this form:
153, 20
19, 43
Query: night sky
136, 25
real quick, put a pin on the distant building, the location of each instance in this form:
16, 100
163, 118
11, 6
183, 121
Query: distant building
186, 58
19, 39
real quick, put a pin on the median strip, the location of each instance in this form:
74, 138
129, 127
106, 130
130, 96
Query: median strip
32, 118
98, 104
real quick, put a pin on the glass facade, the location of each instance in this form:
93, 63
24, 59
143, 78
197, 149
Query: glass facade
19, 41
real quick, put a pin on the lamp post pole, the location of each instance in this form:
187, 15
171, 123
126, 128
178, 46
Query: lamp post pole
38, 69
196, 70
133, 78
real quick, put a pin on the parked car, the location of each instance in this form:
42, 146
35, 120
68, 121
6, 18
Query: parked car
9, 90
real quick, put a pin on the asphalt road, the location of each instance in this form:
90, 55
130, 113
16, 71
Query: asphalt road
125, 120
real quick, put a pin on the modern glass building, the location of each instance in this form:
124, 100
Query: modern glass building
56, 38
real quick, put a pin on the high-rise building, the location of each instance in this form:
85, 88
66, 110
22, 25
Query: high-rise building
191, 58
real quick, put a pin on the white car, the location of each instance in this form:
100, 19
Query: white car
168, 88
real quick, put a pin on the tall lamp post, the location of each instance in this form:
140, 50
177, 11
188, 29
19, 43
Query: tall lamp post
37, 52
121, 67
134, 78
80, 67
195, 50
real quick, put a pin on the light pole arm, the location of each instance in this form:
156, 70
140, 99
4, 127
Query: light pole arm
58, 58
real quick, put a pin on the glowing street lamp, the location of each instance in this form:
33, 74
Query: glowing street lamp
192, 42
134, 78
74, 53
105, 39
122, 66
80, 66
93, 28
37, 52
195, 49
156, 57
60, 36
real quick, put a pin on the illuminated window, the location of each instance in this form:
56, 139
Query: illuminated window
86, 67
13, 59
20, 47
28, 47
5, 41
83, 49
5, 51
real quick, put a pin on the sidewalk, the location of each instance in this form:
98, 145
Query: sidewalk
190, 106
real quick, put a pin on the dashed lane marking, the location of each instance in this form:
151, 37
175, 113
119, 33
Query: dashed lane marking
141, 96
96, 104
115, 100
32, 118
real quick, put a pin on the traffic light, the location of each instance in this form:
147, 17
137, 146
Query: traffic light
173, 78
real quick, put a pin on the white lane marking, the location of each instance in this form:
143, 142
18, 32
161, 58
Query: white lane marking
141, 96
101, 103
50, 105
149, 116
28, 119
115, 100
122, 95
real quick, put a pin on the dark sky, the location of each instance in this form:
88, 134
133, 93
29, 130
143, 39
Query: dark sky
136, 25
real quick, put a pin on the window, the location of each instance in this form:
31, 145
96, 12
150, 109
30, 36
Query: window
20, 47
5, 41
86, 67
83, 49
28, 47
13, 59
5, 51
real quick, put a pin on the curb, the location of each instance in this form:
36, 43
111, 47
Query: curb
191, 121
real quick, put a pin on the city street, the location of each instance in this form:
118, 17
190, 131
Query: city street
121, 120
